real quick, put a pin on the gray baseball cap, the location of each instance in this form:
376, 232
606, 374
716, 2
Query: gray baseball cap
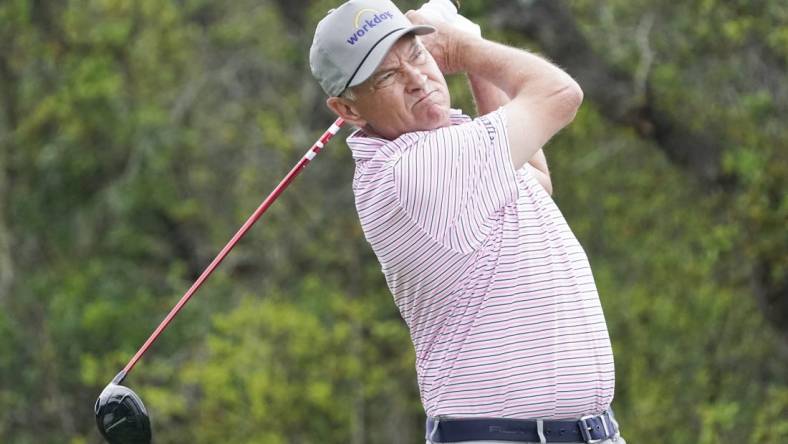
352, 40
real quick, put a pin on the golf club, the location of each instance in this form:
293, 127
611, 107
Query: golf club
121, 415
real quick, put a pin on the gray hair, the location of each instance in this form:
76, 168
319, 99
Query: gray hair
348, 94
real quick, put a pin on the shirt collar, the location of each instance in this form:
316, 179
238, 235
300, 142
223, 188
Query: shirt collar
364, 146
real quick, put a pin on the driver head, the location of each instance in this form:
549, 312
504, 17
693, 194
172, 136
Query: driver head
121, 417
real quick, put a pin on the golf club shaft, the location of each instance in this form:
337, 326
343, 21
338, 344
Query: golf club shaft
313, 151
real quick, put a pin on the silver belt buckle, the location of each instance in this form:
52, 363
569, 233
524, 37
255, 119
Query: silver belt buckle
585, 430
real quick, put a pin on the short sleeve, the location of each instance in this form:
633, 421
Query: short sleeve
454, 182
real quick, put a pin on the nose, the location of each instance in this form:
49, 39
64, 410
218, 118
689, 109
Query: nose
416, 80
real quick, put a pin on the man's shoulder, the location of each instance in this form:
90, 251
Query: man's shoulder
366, 147
459, 122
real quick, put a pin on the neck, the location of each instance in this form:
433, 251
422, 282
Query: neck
371, 132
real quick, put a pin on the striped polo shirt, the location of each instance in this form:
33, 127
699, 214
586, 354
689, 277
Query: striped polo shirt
494, 287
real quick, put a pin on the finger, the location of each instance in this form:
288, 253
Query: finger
415, 17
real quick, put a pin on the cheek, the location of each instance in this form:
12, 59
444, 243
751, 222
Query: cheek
443, 85
436, 74
386, 109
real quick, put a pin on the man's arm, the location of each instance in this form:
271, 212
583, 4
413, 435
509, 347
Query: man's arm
544, 98
489, 98
541, 172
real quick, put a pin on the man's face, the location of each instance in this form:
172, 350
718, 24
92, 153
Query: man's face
406, 93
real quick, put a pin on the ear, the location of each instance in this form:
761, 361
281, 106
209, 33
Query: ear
347, 110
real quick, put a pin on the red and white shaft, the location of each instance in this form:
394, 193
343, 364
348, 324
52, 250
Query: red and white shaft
310, 154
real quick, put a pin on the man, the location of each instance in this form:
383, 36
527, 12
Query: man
510, 340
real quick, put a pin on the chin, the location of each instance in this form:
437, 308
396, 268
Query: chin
437, 116
441, 121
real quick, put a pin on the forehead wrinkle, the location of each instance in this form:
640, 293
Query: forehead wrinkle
386, 65
390, 62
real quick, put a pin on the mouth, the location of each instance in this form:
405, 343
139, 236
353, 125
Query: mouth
425, 97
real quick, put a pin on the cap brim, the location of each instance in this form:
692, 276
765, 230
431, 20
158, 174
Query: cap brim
381, 48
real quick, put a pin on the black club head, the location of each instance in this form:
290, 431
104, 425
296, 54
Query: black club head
121, 416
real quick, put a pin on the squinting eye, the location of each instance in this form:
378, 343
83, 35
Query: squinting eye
385, 79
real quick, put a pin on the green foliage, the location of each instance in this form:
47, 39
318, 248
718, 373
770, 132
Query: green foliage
300, 366
684, 341
136, 136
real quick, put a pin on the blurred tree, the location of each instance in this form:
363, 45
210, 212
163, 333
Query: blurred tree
136, 135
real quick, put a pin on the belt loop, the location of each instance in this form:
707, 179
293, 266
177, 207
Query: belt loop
612, 418
435, 422
540, 431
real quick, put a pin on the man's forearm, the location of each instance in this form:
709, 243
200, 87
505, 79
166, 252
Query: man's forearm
542, 173
544, 98
489, 98
513, 71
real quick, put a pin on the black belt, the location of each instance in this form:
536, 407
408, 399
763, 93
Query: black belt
588, 429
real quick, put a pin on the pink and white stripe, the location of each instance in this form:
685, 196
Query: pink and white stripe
495, 289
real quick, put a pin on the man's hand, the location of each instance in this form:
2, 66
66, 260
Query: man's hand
449, 12
443, 43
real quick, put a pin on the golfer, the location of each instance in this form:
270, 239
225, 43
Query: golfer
510, 339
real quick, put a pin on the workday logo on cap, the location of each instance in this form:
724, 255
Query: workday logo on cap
363, 27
